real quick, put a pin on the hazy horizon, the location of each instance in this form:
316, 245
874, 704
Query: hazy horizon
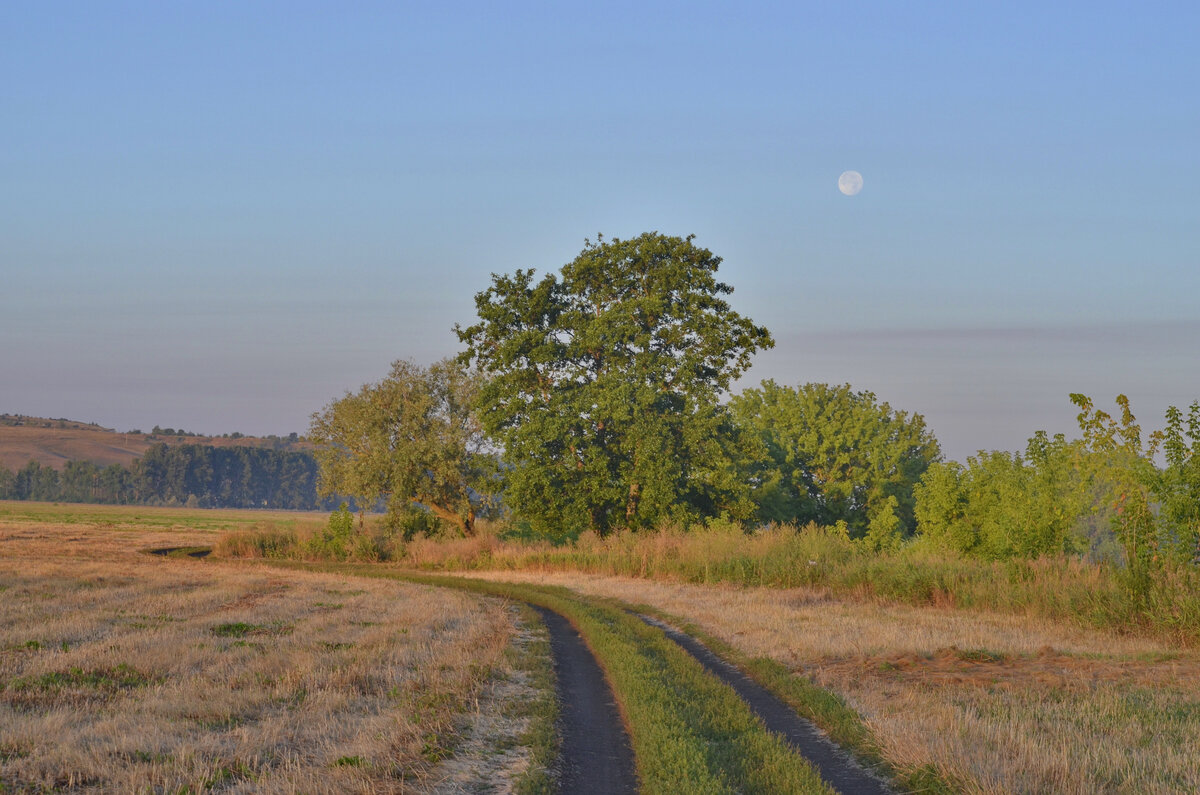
222, 218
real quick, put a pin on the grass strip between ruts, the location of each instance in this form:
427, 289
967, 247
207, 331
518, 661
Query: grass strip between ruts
690, 732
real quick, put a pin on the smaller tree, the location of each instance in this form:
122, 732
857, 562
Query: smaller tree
1115, 456
1155, 511
1178, 489
8, 484
1002, 505
832, 454
411, 438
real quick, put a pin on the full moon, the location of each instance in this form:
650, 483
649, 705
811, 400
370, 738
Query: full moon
850, 182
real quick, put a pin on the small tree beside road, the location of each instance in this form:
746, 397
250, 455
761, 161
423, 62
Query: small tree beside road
411, 439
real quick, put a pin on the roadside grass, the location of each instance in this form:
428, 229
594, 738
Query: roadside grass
1063, 588
128, 672
690, 733
510, 735
541, 711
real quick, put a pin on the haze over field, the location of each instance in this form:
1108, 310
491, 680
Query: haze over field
220, 218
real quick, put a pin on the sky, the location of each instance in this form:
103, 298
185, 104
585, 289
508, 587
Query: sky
222, 216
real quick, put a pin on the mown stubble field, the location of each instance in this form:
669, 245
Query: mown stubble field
121, 671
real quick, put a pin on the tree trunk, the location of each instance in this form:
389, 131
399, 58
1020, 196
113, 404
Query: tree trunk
466, 524
631, 504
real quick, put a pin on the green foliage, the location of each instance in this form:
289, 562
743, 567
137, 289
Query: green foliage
1178, 487
409, 521
334, 541
830, 454
8, 483
411, 438
604, 386
1155, 512
1002, 505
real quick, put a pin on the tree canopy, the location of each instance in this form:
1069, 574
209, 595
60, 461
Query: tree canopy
604, 385
411, 440
1004, 505
831, 454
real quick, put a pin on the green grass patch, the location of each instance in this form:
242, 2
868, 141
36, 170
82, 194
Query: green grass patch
240, 629
980, 655
11, 751
226, 775
111, 680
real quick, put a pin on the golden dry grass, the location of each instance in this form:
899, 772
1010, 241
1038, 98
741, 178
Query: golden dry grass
121, 671
1004, 703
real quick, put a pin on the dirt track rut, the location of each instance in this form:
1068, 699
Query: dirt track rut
835, 766
597, 758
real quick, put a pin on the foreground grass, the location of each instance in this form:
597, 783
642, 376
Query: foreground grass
127, 672
690, 733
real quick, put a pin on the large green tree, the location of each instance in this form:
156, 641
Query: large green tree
605, 383
410, 439
832, 454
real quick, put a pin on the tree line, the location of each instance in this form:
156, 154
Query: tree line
598, 399
199, 476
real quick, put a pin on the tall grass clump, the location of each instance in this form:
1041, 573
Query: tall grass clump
263, 541
336, 540
1060, 587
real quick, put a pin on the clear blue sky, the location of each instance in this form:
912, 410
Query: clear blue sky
220, 216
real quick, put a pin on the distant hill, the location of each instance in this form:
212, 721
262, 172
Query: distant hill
54, 442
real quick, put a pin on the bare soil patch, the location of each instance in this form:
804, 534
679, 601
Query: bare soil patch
1048, 668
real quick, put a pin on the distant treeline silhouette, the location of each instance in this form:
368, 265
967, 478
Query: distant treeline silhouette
200, 476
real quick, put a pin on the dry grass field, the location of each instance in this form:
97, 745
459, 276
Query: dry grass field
122, 671
1002, 703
